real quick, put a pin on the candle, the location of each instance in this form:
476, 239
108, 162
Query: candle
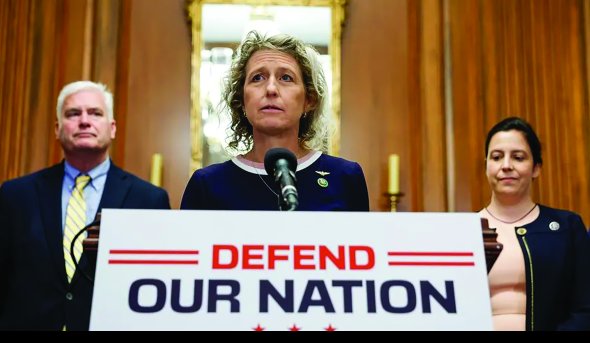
393, 174
156, 173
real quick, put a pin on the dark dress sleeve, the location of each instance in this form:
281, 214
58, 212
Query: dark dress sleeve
192, 198
357, 193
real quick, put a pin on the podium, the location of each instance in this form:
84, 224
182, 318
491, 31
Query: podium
492, 247
90, 243
319, 271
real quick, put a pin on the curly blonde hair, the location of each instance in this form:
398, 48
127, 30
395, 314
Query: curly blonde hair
312, 125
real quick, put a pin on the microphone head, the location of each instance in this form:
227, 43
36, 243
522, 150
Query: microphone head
275, 154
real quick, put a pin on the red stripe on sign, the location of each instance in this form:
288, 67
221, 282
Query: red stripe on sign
434, 264
156, 252
429, 253
151, 262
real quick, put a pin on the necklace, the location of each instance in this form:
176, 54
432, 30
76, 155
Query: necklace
512, 222
266, 184
253, 166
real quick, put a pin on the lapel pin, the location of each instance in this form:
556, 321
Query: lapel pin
554, 226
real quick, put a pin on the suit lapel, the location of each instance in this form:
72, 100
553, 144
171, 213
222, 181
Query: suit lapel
48, 186
115, 189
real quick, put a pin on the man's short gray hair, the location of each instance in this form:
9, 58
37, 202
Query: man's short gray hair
77, 86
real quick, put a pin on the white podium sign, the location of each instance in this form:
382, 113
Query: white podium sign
238, 270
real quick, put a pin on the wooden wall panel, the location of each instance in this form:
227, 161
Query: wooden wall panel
158, 101
586, 55
122, 79
127, 45
15, 40
42, 148
375, 110
393, 99
108, 61
522, 58
33, 66
467, 107
506, 57
73, 27
426, 95
105, 62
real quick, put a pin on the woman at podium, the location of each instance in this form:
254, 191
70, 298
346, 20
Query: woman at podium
541, 280
276, 95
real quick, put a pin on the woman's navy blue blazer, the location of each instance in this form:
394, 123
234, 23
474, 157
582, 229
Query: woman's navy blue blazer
556, 249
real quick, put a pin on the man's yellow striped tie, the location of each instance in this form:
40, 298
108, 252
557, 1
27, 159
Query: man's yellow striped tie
75, 220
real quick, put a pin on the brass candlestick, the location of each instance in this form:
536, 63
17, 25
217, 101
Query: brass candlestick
394, 199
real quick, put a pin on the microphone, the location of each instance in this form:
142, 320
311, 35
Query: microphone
281, 164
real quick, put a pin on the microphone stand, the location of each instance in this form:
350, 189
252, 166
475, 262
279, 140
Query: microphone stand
286, 206
285, 192
95, 223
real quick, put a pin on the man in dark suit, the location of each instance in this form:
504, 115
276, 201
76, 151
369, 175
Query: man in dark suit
39, 288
